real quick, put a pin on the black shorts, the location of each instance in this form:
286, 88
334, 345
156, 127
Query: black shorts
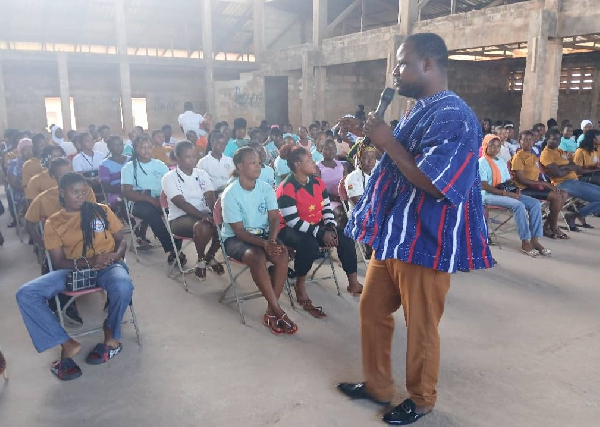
236, 248
536, 194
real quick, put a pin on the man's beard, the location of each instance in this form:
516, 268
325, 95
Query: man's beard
408, 91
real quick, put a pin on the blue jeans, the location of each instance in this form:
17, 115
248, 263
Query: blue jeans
43, 326
584, 191
526, 229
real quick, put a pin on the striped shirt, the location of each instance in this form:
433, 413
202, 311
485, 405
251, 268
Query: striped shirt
403, 222
304, 208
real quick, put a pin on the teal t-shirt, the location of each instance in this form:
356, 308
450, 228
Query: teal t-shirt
281, 169
485, 172
233, 145
128, 150
147, 176
580, 139
568, 145
267, 174
272, 151
317, 157
251, 208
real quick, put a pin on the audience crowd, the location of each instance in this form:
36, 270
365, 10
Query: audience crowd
283, 196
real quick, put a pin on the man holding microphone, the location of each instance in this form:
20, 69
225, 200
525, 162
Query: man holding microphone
423, 216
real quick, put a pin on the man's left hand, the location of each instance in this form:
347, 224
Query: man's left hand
379, 132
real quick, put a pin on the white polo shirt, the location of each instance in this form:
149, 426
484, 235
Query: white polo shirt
355, 187
219, 170
191, 121
102, 147
192, 188
84, 163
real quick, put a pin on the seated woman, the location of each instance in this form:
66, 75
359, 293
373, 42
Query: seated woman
280, 165
307, 224
141, 186
191, 197
587, 157
333, 171
110, 173
80, 230
33, 166
14, 174
565, 175
526, 170
88, 161
43, 181
250, 231
356, 181
495, 179
267, 173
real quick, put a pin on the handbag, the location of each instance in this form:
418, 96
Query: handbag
509, 187
81, 279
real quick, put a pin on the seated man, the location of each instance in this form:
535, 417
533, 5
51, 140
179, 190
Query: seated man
496, 190
218, 166
190, 194
80, 234
110, 174
564, 175
250, 230
88, 161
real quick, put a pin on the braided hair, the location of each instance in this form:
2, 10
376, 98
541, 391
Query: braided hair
134, 156
46, 155
362, 149
292, 155
91, 213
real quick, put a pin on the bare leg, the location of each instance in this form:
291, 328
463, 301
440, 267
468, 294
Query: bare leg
256, 259
70, 349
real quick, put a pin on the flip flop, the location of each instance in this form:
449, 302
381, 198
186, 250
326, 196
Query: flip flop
102, 354
65, 369
534, 253
316, 312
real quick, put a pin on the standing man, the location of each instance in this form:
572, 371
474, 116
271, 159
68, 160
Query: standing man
188, 120
423, 217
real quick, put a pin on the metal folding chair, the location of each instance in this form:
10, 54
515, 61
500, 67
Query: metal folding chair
15, 211
3, 369
132, 219
497, 217
233, 285
343, 195
187, 240
60, 310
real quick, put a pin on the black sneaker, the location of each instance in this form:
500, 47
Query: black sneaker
72, 315
403, 414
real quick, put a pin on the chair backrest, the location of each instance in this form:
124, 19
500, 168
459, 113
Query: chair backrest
218, 213
163, 200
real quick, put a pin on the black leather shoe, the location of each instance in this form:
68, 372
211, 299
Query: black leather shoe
403, 414
356, 391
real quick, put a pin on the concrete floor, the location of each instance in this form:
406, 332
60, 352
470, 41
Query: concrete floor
520, 347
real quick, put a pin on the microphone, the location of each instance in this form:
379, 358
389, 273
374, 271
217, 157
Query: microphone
384, 102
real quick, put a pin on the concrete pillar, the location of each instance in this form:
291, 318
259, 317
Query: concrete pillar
208, 53
308, 87
124, 73
409, 14
542, 71
320, 87
3, 110
398, 106
258, 21
595, 97
65, 96
319, 21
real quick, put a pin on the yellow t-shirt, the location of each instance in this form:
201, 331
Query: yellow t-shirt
560, 158
586, 159
528, 163
47, 204
38, 184
63, 230
31, 168
162, 154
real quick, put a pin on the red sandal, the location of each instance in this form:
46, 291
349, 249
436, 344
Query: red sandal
288, 326
273, 323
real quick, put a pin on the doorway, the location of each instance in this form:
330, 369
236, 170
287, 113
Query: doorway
276, 99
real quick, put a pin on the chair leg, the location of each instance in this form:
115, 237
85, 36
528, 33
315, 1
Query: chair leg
59, 312
288, 289
135, 325
232, 284
133, 242
337, 285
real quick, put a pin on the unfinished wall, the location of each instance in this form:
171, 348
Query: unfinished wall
241, 98
284, 29
484, 86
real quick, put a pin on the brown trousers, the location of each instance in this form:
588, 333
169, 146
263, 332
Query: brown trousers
422, 292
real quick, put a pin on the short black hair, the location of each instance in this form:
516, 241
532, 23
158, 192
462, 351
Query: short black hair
313, 126
429, 45
103, 127
165, 127
156, 132
538, 126
188, 106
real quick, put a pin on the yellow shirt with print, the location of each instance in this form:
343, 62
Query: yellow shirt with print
528, 163
560, 158
162, 154
47, 204
63, 230
585, 159
31, 168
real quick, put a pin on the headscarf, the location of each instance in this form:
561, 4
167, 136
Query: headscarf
584, 123
56, 140
496, 175
25, 142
